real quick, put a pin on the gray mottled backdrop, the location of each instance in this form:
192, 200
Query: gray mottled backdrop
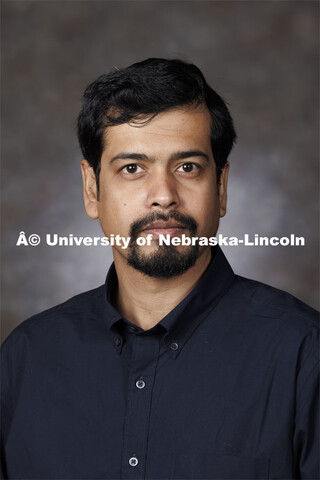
261, 56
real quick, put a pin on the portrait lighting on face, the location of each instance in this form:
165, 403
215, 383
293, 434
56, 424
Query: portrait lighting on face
156, 138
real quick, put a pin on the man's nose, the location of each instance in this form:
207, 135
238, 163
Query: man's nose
163, 191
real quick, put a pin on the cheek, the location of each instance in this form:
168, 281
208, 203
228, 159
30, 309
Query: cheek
115, 214
208, 212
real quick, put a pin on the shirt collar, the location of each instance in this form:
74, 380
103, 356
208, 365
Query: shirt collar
181, 322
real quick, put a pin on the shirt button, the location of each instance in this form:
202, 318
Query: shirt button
118, 342
132, 329
174, 346
140, 384
133, 461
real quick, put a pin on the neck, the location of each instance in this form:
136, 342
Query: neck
145, 300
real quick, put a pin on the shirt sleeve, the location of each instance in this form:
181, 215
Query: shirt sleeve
4, 412
12, 361
306, 436
3, 474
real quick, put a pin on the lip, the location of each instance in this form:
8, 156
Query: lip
164, 228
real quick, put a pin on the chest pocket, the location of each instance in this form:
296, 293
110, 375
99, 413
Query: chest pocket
211, 467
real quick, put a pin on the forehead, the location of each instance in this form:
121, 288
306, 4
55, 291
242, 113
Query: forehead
187, 127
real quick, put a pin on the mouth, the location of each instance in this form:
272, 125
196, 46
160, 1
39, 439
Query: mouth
164, 228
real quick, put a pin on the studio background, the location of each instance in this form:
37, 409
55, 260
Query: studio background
261, 56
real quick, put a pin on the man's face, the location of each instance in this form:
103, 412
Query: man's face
158, 177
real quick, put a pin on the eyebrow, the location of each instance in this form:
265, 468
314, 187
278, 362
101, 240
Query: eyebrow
175, 156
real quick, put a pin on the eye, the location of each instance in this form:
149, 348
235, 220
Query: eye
131, 169
188, 167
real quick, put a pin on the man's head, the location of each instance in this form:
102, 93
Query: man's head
156, 139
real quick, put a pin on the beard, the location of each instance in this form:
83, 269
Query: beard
167, 260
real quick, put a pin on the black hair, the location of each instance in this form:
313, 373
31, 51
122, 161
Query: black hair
140, 92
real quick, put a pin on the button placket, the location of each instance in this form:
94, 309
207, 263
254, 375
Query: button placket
144, 358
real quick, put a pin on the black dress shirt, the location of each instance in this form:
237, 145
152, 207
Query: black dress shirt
224, 387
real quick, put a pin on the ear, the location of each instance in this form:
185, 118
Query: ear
222, 189
90, 193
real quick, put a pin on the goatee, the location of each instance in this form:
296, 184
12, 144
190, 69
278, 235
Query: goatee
165, 261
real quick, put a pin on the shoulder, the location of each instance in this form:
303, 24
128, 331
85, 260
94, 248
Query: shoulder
269, 302
277, 323
58, 319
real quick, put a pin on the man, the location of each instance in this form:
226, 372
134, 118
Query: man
176, 368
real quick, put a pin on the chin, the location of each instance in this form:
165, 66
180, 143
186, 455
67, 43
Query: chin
163, 261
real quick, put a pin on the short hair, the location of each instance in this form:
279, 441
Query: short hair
143, 90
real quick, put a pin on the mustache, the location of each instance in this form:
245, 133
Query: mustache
186, 221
